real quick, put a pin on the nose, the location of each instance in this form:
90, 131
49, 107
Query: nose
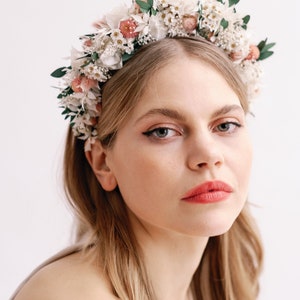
205, 152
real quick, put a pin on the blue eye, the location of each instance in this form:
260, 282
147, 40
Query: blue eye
160, 132
228, 127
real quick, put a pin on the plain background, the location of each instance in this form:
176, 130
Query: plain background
35, 222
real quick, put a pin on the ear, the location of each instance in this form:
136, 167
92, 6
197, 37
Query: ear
97, 158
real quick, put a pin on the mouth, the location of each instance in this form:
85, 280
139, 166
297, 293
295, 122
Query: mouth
209, 192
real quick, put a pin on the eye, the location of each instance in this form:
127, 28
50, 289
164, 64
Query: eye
161, 133
227, 127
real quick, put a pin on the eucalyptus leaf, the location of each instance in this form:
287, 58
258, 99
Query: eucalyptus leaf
265, 55
126, 57
224, 23
233, 2
144, 6
262, 44
153, 11
60, 72
95, 56
269, 46
246, 19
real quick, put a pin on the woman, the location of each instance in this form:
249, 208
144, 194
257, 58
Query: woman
157, 161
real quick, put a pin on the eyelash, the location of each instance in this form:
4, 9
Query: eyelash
154, 132
235, 124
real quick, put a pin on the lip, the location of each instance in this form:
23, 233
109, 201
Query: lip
208, 192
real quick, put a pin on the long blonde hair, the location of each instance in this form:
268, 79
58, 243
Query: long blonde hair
231, 264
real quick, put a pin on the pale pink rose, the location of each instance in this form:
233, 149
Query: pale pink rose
87, 83
76, 85
127, 28
254, 53
93, 121
88, 43
189, 23
82, 83
236, 55
99, 107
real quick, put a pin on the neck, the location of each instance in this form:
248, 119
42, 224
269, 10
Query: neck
171, 260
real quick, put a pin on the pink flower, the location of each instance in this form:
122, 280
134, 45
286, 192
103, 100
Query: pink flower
127, 28
236, 55
93, 121
189, 23
82, 83
253, 53
76, 85
88, 43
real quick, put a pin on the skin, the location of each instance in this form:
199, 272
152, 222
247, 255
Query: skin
185, 130
188, 128
196, 140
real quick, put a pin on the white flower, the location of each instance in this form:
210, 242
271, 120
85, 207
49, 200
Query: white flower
250, 72
125, 29
157, 29
111, 58
95, 72
233, 39
142, 22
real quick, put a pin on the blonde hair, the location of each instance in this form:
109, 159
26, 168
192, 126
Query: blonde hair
231, 264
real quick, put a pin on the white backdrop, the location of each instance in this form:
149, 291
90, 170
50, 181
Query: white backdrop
34, 219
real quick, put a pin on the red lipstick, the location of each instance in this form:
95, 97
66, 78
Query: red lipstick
208, 192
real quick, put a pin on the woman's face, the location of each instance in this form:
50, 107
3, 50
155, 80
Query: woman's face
186, 134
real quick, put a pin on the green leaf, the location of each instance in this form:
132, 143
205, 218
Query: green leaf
66, 111
221, 1
262, 44
233, 2
95, 56
246, 19
60, 72
153, 11
145, 6
126, 56
224, 23
67, 91
264, 55
269, 46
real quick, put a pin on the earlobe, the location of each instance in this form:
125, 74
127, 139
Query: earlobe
97, 158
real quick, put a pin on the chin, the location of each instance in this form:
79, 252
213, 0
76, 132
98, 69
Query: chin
210, 228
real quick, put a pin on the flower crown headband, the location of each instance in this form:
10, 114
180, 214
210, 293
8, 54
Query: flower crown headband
123, 31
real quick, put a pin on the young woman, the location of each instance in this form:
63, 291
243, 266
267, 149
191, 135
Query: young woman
157, 162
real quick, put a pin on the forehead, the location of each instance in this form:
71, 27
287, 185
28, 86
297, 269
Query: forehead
187, 83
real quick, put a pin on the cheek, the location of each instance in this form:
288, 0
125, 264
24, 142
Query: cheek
243, 163
137, 174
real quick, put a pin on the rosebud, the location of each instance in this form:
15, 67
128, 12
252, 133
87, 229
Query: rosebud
254, 53
189, 23
76, 85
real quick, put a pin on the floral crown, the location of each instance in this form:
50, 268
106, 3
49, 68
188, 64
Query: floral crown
125, 29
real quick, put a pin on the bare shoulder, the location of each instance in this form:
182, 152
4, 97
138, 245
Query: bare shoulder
71, 277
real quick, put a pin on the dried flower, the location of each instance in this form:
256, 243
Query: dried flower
189, 23
125, 29
254, 53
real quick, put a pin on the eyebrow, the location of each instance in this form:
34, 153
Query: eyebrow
170, 113
176, 115
226, 109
